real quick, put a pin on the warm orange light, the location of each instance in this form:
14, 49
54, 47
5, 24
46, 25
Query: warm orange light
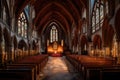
52, 50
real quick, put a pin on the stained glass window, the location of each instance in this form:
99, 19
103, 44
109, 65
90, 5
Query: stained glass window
98, 15
107, 10
93, 24
92, 3
101, 12
101, 15
4, 14
84, 28
22, 25
53, 34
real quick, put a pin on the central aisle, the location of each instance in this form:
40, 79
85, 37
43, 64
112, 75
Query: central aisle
58, 68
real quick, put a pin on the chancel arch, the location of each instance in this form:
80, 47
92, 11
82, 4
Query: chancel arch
54, 37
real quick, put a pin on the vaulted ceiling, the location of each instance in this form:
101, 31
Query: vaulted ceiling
63, 12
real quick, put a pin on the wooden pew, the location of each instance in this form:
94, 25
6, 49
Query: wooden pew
24, 66
17, 74
38, 60
110, 73
90, 66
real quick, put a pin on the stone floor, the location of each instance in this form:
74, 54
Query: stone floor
58, 68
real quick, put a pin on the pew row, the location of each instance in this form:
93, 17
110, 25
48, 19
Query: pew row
94, 68
39, 60
34, 63
24, 66
17, 74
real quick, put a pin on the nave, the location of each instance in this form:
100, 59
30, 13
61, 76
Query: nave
58, 68
85, 32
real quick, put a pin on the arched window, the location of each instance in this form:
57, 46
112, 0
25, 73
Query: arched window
84, 25
4, 14
91, 4
97, 18
93, 23
84, 13
22, 25
53, 34
98, 14
101, 15
107, 9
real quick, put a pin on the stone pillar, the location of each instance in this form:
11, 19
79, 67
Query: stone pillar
39, 42
118, 54
0, 8
9, 52
12, 15
0, 54
90, 48
30, 30
1, 35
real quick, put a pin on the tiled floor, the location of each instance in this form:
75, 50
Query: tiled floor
58, 68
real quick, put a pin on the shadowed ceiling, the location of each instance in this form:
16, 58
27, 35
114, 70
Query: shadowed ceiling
62, 12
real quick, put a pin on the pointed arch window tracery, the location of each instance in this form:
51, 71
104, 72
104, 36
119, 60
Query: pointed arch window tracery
53, 34
22, 25
99, 10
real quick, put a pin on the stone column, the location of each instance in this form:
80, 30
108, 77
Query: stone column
9, 52
0, 53
118, 52
1, 44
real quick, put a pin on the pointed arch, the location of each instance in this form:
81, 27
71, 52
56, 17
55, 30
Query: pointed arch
53, 34
22, 25
22, 45
84, 42
97, 42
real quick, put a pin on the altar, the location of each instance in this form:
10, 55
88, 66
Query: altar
54, 49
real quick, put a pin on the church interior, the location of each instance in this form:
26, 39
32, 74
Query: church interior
59, 39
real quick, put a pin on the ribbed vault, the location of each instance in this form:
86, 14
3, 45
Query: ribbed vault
63, 12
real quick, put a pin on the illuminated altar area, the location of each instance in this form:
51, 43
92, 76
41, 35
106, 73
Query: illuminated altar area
54, 49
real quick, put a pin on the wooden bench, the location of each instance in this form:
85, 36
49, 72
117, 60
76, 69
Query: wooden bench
24, 66
17, 74
90, 66
91, 69
110, 73
39, 60
101, 72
